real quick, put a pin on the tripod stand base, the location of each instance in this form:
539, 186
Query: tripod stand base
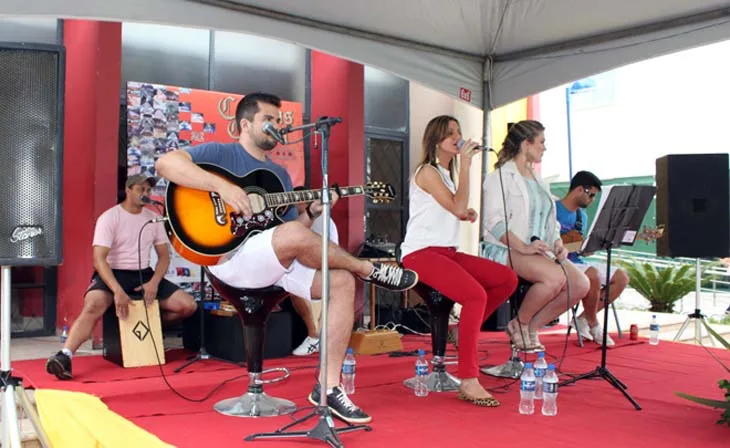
324, 430
699, 320
14, 394
255, 404
436, 382
203, 355
510, 369
602, 372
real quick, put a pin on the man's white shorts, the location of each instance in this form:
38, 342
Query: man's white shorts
255, 265
598, 266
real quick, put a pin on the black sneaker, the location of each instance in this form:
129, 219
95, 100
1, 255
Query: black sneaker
392, 277
341, 405
59, 365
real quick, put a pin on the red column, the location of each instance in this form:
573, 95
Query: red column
91, 136
338, 89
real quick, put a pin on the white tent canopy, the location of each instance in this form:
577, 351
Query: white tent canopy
499, 50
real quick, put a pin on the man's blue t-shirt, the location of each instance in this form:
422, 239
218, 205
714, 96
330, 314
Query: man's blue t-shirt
568, 221
234, 158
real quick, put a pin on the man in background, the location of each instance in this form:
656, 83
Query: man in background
573, 219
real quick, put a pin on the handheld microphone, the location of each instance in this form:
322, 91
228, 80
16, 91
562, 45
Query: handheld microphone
269, 129
548, 253
148, 200
479, 148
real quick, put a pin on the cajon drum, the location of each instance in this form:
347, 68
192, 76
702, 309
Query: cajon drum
128, 342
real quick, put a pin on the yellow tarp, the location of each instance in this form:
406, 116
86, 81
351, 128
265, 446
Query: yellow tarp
78, 420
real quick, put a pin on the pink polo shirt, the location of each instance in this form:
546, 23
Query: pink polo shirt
118, 230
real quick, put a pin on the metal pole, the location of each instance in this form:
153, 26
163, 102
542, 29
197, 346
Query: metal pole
570, 138
698, 285
11, 432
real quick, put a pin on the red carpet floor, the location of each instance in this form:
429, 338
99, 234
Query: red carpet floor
591, 412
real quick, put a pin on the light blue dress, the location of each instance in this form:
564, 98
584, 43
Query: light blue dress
540, 212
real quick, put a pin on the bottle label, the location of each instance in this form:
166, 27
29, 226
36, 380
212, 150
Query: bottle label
539, 372
654, 327
348, 369
550, 388
527, 386
422, 370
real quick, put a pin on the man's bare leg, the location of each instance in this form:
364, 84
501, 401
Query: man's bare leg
293, 241
95, 304
339, 320
177, 307
302, 307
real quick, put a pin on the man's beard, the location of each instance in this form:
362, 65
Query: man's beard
264, 143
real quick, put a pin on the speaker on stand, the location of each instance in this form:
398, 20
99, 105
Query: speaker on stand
693, 207
31, 147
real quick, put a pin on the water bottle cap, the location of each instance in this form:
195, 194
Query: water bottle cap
421, 352
540, 354
551, 366
528, 365
349, 351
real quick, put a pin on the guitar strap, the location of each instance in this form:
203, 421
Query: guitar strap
579, 221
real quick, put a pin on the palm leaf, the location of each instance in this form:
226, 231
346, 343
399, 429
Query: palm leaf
706, 401
725, 343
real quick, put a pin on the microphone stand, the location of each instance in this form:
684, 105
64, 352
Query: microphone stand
325, 429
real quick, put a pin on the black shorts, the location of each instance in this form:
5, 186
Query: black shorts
129, 280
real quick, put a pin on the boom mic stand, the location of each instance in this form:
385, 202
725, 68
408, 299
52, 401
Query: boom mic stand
325, 429
202, 352
13, 387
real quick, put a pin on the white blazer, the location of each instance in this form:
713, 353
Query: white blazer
518, 205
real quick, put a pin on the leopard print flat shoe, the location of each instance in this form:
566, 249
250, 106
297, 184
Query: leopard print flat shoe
489, 402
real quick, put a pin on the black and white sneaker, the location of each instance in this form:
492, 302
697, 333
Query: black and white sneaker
392, 277
341, 405
59, 365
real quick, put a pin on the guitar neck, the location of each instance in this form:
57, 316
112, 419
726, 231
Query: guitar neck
298, 197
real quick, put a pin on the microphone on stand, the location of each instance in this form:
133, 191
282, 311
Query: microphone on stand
269, 129
478, 148
148, 200
548, 253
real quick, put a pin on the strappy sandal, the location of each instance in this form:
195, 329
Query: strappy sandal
520, 339
535, 341
489, 402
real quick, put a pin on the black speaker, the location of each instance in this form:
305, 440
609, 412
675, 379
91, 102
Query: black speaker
693, 205
31, 154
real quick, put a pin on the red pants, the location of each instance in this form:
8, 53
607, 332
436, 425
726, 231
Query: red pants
478, 284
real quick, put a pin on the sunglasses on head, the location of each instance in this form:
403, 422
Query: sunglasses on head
588, 192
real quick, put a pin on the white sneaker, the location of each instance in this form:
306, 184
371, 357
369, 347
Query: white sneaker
307, 347
584, 329
597, 335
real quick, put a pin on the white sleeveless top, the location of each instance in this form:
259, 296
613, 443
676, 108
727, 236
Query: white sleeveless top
429, 224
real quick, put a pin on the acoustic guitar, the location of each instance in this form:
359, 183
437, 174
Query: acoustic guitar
202, 228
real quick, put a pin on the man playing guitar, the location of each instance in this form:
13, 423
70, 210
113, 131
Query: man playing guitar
288, 255
573, 225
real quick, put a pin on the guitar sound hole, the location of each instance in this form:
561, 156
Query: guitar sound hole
258, 204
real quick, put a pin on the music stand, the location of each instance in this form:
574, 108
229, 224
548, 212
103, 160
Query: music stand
620, 213
203, 354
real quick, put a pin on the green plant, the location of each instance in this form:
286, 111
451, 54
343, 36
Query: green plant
724, 385
661, 287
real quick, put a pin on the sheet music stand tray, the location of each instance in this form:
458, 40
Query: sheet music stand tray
620, 213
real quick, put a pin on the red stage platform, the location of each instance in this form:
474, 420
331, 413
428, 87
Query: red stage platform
591, 412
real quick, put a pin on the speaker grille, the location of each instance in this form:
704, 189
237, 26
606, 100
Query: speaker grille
30, 157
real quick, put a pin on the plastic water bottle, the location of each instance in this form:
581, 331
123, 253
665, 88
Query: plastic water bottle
527, 390
421, 389
654, 331
540, 368
64, 333
348, 372
550, 392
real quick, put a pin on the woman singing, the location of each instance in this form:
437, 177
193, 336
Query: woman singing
432, 237
526, 235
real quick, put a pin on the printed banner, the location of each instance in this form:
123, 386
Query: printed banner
167, 118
